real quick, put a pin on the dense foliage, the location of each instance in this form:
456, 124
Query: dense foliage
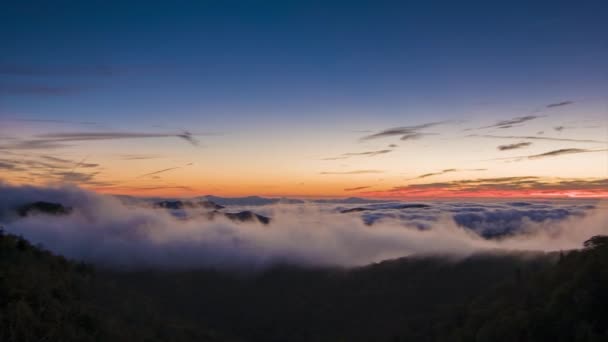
491, 297
44, 297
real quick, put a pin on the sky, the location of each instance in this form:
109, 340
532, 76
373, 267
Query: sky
389, 99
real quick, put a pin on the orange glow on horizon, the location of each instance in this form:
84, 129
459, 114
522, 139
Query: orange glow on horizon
426, 194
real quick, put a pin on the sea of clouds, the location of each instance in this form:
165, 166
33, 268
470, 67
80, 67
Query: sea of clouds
110, 231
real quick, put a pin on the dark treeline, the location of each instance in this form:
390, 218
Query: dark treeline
490, 297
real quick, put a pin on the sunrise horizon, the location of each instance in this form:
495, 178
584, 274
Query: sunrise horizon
304, 171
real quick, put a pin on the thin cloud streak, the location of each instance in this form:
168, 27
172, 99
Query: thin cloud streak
139, 156
554, 153
159, 171
358, 188
526, 137
563, 151
502, 186
442, 172
514, 121
513, 146
59, 140
415, 136
358, 154
403, 131
559, 104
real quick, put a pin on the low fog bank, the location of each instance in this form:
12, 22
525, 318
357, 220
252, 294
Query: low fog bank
106, 231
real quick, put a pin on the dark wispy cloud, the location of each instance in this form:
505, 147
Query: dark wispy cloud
59, 140
471, 184
159, 171
138, 156
435, 173
563, 151
32, 168
402, 131
359, 154
120, 188
357, 188
481, 186
393, 145
415, 136
550, 154
85, 136
37, 163
36, 144
57, 159
559, 104
353, 172
531, 137
561, 128
442, 172
513, 146
9, 166
77, 177
511, 122
67, 162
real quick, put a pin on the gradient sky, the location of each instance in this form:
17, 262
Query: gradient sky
307, 98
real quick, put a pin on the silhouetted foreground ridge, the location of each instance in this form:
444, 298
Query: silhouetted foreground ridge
486, 297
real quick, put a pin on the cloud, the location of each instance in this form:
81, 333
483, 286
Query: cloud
511, 122
57, 159
426, 175
105, 231
59, 140
86, 136
50, 168
188, 137
159, 171
124, 188
43, 162
520, 186
358, 154
514, 146
559, 104
435, 173
9, 166
358, 188
403, 131
37, 144
554, 153
563, 151
415, 136
354, 172
526, 137
77, 177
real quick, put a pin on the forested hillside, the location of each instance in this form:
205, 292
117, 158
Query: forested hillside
490, 297
44, 297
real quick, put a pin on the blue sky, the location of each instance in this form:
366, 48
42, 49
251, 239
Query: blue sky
300, 71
